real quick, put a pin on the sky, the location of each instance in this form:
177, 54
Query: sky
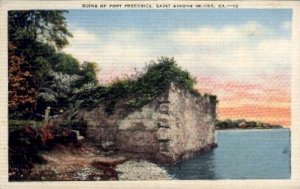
243, 56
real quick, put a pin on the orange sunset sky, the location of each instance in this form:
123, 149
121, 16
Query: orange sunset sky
242, 56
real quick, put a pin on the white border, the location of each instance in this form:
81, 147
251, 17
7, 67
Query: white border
294, 182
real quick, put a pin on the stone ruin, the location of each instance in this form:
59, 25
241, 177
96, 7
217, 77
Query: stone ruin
174, 126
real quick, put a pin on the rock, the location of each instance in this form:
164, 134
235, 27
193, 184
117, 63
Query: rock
163, 134
163, 122
164, 108
141, 170
165, 157
164, 146
107, 145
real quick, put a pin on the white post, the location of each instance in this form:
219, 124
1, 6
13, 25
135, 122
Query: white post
47, 114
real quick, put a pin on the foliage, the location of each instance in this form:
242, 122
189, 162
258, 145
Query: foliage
39, 76
164, 72
22, 94
26, 143
243, 124
88, 72
38, 25
227, 124
56, 91
138, 90
20, 124
33, 37
65, 63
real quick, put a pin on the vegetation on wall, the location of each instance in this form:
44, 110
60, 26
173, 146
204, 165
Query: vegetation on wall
139, 89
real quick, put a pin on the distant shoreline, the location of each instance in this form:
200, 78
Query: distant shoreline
242, 124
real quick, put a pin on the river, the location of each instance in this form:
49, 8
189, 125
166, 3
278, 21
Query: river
241, 154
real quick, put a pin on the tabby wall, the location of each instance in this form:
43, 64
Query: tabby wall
175, 125
188, 124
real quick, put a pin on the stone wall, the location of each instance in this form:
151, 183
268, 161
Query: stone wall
137, 132
173, 126
186, 125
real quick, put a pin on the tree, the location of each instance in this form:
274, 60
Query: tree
22, 95
65, 63
33, 37
165, 71
38, 25
56, 91
88, 71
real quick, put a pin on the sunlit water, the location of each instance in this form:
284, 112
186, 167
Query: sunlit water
241, 154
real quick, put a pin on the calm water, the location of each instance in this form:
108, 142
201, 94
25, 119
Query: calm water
241, 154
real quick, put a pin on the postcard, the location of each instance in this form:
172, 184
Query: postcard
170, 94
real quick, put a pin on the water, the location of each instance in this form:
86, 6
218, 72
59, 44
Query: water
241, 154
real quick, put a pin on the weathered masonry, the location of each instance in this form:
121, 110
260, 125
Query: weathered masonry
173, 126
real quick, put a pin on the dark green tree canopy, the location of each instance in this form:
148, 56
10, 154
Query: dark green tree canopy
38, 25
89, 72
33, 39
65, 63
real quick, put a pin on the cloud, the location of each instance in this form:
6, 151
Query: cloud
83, 38
234, 49
222, 36
239, 50
115, 52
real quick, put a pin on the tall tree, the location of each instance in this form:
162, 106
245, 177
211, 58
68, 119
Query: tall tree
38, 25
33, 37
